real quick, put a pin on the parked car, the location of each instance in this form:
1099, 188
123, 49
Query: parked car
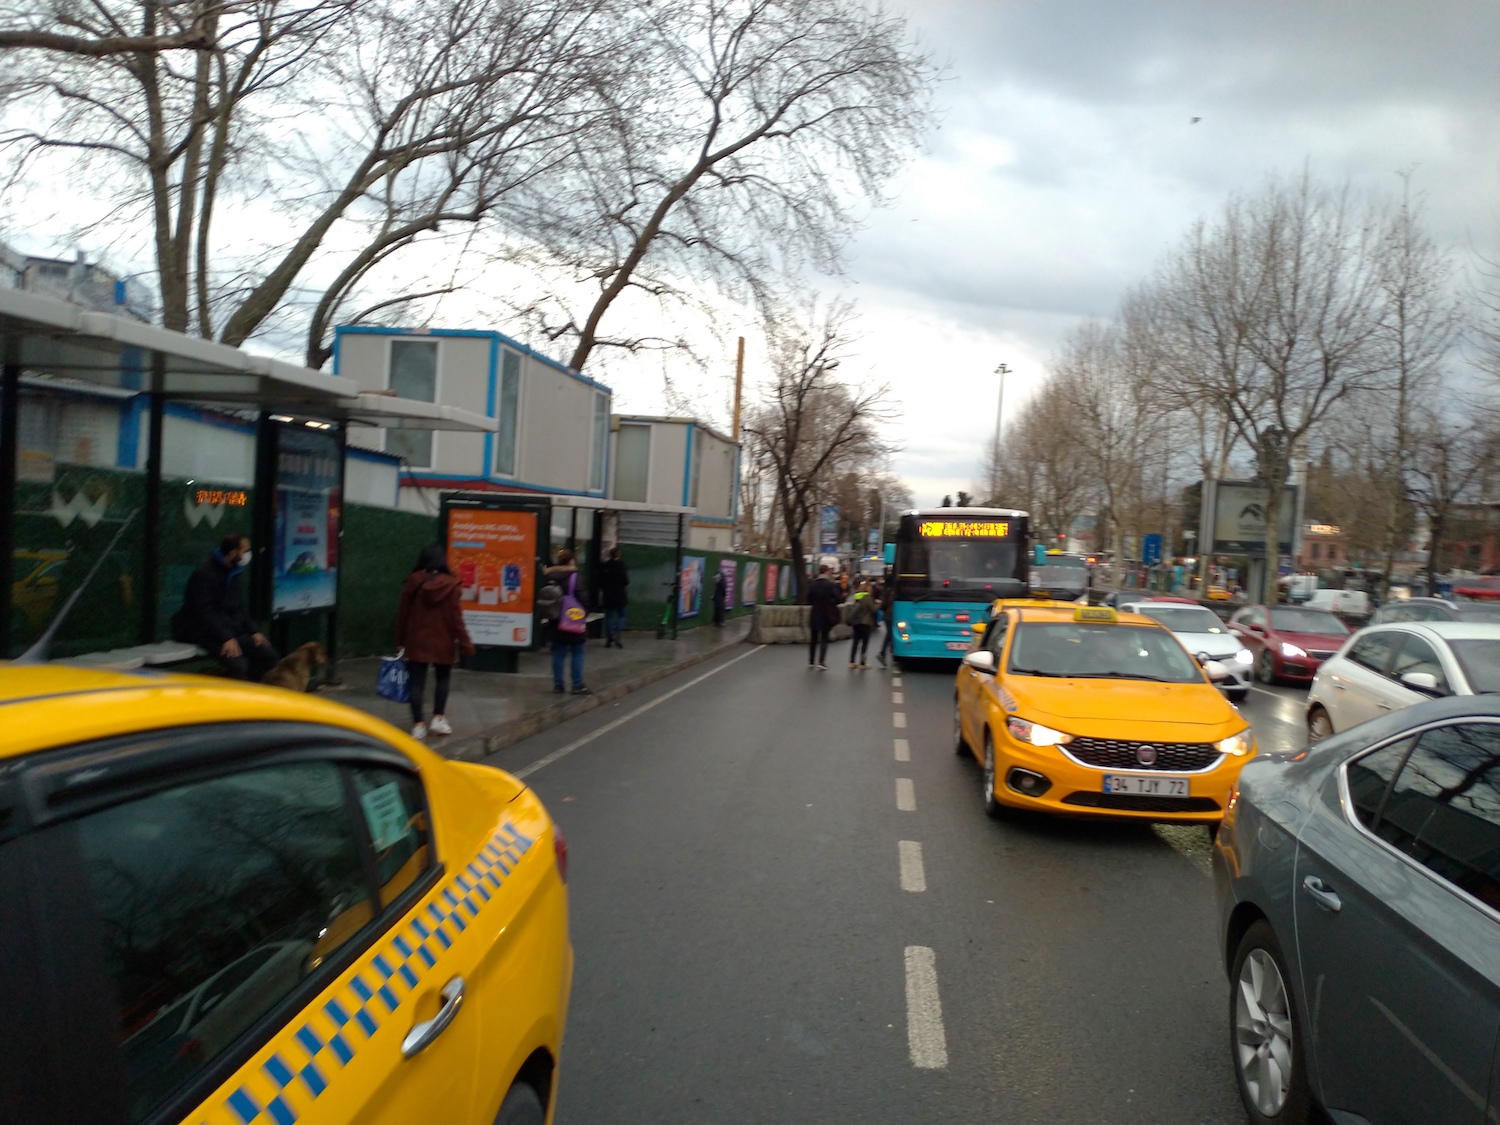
1436, 609
1288, 642
1388, 667
1359, 891
1356, 603
1203, 634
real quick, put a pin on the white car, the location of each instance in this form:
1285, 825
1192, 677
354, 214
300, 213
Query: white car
1387, 667
1202, 633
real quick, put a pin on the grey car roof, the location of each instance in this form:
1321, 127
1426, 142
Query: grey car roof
1448, 630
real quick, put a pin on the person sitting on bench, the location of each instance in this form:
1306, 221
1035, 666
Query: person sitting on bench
213, 614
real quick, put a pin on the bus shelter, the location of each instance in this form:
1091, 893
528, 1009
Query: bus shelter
128, 452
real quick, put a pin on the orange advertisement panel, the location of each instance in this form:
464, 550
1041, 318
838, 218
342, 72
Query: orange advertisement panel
493, 553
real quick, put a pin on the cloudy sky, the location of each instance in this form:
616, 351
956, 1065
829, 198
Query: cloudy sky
1065, 163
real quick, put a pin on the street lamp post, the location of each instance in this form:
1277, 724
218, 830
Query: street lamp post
1003, 370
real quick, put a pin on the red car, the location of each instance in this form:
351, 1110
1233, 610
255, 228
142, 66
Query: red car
1288, 642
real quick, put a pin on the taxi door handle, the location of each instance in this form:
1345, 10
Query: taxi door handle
422, 1034
1322, 894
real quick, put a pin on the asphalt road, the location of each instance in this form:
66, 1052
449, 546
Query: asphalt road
776, 919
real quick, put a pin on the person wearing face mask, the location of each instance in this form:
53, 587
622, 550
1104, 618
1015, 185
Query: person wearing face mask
213, 614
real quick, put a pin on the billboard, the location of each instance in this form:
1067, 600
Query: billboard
786, 581
770, 582
728, 567
690, 589
494, 553
752, 581
1239, 521
828, 528
305, 539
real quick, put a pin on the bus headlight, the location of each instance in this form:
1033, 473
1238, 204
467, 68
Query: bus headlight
1238, 744
901, 625
1034, 733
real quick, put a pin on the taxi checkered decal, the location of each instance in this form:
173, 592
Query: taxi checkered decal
299, 1071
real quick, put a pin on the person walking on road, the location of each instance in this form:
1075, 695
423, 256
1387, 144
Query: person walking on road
824, 599
570, 632
613, 580
213, 614
887, 611
430, 630
862, 621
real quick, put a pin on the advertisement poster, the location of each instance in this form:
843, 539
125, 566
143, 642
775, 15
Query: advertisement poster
1240, 518
305, 557
770, 582
786, 582
493, 552
690, 592
752, 582
727, 568
828, 524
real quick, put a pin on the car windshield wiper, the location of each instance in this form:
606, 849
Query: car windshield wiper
1112, 675
1039, 672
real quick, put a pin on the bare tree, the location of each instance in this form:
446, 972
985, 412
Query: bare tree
410, 119
811, 427
738, 143
1452, 460
1046, 472
1271, 315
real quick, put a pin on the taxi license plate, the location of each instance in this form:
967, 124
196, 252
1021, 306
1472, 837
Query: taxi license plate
1145, 785
957, 645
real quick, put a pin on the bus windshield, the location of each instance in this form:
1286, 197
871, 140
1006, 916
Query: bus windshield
934, 566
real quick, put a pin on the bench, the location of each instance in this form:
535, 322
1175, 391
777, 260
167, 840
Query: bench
163, 654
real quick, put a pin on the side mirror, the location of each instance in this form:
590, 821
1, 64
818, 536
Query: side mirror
1215, 670
981, 660
1254, 628
1424, 682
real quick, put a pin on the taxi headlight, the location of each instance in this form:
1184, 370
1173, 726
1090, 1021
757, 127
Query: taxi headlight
1244, 657
1289, 649
1034, 733
1238, 744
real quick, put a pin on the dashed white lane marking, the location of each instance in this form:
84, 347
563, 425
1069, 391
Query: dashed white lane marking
899, 718
906, 795
564, 751
903, 750
1268, 691
897, 697
913, 877
924, 1010
895, 681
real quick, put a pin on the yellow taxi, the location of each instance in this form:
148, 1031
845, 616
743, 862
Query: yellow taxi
1083, 710
232, 904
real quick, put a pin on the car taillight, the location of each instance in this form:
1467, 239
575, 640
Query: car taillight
560, 846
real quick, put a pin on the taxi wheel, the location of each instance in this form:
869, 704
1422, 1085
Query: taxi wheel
1265, 1034
992, 808
960, 744
522, 1106
1265, 667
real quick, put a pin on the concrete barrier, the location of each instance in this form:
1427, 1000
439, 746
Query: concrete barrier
787, 625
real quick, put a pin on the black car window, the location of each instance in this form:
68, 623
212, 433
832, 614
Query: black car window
994, 637
1444, 808
214, 900
397, 822
1416, 655
1374, 650
1370, 776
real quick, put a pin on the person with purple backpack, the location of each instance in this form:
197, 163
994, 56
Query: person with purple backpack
571, 629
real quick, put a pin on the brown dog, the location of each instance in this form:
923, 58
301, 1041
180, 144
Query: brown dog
294, 670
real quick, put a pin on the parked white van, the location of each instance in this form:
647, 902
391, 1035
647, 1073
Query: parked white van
1353, 602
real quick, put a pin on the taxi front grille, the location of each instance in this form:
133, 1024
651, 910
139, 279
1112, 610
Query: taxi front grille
1135, 802
1120, 754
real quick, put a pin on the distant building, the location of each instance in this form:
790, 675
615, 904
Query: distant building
77, 281
678, 461
1324, 547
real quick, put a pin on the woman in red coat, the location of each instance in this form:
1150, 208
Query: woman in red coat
430, 630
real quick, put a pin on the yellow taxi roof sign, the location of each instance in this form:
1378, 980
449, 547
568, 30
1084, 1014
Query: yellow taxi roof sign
1098, 613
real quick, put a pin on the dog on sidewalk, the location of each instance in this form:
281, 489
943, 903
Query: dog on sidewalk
294, 670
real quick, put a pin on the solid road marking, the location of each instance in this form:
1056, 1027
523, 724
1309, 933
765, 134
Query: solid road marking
564, 751
903, 750
906, 795
895, 681
899, 718
897, 697
924, 1011
913, 878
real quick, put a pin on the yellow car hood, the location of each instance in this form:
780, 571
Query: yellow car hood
1132, 709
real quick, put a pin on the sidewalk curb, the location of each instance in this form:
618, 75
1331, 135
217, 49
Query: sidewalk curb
476, 747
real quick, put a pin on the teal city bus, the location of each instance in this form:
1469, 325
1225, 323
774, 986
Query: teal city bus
951, 563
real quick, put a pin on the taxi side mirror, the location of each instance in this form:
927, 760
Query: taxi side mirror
982, 660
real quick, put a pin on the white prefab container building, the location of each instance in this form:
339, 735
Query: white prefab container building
678, 462
552, 423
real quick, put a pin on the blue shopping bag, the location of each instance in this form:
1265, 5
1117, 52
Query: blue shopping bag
394, 681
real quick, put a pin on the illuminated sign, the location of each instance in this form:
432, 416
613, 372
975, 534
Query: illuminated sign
231, 497
962, 529
1323, 529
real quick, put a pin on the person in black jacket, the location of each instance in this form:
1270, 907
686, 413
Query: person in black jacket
824, 596
213, 614
613, 579
721, 597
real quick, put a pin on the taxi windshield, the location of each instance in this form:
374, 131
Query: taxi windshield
1084, 650
1184, 618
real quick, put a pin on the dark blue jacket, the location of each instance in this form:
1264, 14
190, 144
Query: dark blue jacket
213, 606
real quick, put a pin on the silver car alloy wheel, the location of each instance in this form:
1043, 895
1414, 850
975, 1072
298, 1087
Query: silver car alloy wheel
1263, 1032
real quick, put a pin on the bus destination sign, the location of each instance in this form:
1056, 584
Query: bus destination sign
963, 529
